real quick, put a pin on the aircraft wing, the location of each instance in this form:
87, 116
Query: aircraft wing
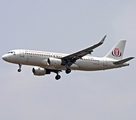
70, 59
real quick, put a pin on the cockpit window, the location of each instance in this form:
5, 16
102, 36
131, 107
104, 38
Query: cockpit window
11, 52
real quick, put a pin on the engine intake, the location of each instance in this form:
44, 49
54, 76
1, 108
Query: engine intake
54, 62
40, 71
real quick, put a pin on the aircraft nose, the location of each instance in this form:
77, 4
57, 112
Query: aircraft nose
5, 57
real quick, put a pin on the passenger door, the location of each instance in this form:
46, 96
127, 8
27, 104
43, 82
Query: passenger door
104, 62
22, 52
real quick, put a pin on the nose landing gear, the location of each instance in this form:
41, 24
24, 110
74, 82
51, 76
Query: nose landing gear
19, 70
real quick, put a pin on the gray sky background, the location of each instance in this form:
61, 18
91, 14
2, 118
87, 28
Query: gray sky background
67, 26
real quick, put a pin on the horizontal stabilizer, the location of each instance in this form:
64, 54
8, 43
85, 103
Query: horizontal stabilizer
123, 61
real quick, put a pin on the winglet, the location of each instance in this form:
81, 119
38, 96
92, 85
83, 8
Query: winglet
103, 39
98, 44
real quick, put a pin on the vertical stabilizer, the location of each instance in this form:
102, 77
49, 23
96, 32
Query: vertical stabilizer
117, 51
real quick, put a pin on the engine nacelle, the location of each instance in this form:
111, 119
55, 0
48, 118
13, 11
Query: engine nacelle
40, 71
54, 61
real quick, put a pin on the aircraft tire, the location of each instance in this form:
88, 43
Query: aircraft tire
57, 77
19, 70
68, 71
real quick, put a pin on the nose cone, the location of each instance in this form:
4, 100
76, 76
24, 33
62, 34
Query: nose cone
5, 57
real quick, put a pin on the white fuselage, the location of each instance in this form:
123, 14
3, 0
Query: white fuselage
39, 58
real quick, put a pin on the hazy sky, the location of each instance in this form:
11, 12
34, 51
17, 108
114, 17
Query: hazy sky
67, 26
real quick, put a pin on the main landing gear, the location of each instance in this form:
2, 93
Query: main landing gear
19, 70
57, 77
68, 71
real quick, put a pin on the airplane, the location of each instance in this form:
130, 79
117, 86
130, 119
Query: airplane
47, 62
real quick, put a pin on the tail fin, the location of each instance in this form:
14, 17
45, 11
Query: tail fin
117, 51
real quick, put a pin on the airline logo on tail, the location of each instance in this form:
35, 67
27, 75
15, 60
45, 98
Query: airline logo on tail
116, 52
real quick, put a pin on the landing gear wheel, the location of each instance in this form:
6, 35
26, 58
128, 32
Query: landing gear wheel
68, 71
19, 70
57, 77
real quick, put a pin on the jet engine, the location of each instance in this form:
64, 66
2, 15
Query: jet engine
40, 71
54, 61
